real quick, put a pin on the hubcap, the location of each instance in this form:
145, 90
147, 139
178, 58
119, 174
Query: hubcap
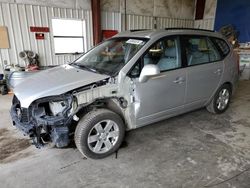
103, 136
223, 99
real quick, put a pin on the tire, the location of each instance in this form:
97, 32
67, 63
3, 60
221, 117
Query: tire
221, 100
99, 133
4, 90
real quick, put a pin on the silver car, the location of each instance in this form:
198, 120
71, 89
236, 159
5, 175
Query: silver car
129, 81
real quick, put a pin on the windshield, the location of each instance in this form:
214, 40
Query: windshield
110, 56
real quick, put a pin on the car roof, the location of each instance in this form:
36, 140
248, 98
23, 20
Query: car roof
168, 31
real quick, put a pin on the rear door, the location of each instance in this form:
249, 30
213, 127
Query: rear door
204, 69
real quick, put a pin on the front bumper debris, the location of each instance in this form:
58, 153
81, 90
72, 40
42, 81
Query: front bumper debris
41, 130
26, 128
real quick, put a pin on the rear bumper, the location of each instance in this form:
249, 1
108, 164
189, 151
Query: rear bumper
235, 82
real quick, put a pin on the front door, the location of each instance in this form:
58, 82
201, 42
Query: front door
162, 95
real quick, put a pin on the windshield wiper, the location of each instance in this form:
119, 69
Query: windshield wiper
86, 67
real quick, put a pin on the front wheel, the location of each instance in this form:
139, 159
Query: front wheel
99, 133
220, 101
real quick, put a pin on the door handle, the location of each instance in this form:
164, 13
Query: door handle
218, 71
179, 80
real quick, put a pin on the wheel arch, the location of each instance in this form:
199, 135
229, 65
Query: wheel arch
210, 105
229, 84
224, 83
85, 127
113, 104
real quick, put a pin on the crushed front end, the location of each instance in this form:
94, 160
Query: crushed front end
46, 120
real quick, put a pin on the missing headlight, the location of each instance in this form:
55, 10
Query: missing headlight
57, 108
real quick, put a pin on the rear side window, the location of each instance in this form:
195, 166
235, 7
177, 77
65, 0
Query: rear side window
200, 50
196, 50
213, 52
222, 45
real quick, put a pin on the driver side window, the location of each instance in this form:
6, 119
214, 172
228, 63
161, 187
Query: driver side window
164, 53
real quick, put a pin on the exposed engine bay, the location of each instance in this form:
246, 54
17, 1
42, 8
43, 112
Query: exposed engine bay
53, 119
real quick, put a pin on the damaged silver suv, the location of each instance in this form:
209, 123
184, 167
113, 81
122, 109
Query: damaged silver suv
131, 80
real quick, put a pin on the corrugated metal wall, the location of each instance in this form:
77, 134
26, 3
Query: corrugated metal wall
137, 22
147, 22
204, 24
111, 20
173, 22
19, 17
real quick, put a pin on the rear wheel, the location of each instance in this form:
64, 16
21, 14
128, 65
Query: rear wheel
99, 133
221, 100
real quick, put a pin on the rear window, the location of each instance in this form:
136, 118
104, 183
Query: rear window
222, 45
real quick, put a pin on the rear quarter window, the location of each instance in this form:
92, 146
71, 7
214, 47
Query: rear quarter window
222, 46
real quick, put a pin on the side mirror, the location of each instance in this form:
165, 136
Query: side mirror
147, 71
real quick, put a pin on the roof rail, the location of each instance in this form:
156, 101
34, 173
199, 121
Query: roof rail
134, 30
182, 28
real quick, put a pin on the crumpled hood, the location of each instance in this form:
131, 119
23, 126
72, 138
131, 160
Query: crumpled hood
54, 81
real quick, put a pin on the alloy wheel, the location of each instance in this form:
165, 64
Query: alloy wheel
223, 99
103, 136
